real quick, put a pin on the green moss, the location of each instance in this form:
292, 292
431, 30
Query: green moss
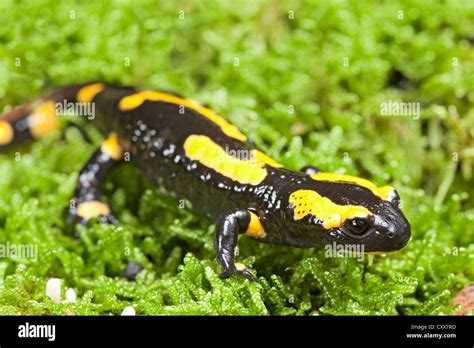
426, 56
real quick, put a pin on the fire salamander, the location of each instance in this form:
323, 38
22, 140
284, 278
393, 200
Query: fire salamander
196, 154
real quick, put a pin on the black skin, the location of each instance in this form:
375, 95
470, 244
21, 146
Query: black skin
154, 134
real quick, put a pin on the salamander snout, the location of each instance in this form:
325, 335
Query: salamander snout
390, 230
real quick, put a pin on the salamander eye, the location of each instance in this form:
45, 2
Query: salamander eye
357, 226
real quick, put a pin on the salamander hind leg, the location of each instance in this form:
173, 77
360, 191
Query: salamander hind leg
229, 226
87, 203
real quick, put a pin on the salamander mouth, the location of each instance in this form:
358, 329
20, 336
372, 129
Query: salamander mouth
373, 241
378, 243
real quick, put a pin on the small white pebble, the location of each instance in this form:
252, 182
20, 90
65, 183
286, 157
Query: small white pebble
128, 311
71, 295
53, 289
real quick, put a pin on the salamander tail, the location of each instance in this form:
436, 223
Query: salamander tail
35, 119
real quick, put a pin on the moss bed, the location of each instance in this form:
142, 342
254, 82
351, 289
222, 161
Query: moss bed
305, 80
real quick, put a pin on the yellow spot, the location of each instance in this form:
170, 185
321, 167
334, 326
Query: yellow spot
249, 171
43, 120
255, 228
240, 266
308, 202
87, 93
112, 147
263, 158
92, 209
135, 100
6, 133
384, 192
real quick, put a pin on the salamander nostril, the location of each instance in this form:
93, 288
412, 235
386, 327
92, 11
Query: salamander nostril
390, 234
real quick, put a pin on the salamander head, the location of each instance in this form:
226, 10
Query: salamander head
335, 208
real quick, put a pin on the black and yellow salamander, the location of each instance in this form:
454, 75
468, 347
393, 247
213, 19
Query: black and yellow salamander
196, 154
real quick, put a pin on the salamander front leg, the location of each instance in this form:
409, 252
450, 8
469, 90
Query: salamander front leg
310, 170
229, 226
86, 203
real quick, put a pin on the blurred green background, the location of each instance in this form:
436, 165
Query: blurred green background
305, 80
